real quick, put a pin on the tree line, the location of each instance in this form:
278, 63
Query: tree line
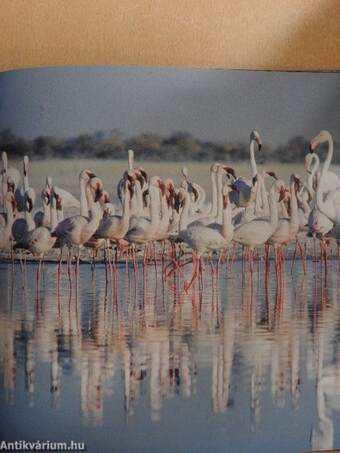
179, 146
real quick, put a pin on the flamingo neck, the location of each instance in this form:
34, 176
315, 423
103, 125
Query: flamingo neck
273, 209
227, 223
130, 159
325, 208
294, 210
253, 166
219, 198
10, 215
53, 215
154, 206
312, 172
84, 210
94, 208
29, 220
213, 210
184, 217
126, 210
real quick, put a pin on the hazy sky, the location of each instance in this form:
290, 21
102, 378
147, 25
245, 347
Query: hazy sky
210, 104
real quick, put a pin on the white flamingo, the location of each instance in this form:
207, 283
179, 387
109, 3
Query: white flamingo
328, 204
78, 229
257, 232
6, 230
203, 239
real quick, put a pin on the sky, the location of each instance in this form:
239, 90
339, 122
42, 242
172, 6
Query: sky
217, 105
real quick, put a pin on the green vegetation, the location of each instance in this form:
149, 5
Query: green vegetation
179, 146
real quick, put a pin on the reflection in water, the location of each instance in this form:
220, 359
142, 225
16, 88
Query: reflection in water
147, 338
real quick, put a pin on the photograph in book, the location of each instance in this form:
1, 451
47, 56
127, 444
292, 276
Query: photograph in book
169, 260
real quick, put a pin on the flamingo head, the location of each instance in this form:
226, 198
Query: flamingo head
58, 199
143, 173
170, 190
29, 199
140, 178
323, 136
185, 172
129, 187
10, 184
214, 167
46, 196
49, 182
272, 174
10, 199
283, 193
86, 175
96, 185
295, 178
229, 171
108, 209
179, 199
255, 136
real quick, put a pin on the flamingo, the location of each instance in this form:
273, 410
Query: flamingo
288, 227
78, 229
6, 230
243, 190
328, 204
257, 232
11, 172
202, 238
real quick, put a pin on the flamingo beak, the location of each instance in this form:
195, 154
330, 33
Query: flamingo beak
311, 148
282, 194
144, 174
230, 171
98, 194
254, 180
272, 174
29, 204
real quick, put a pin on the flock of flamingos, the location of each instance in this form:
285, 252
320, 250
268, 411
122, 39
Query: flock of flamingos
260, 210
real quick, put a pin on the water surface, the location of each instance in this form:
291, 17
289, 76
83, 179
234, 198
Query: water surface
133, 363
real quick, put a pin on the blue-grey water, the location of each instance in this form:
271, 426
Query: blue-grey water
131, 363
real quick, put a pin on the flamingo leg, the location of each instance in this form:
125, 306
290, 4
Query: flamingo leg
187, 285
302, 255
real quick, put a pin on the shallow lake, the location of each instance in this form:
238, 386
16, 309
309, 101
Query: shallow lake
129, 362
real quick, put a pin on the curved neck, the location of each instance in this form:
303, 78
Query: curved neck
253, 166
324, 208
312, 169
94, 207
84, 209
